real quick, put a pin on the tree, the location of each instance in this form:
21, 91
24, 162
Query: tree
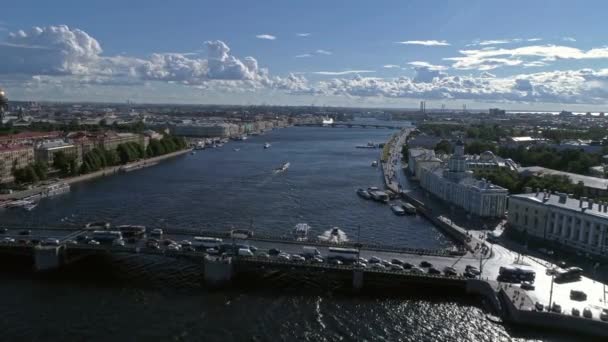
444, 147
61, 162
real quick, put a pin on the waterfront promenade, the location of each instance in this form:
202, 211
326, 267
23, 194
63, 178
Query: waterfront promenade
101, 173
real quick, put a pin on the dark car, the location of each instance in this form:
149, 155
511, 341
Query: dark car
407, 265
433, 270
274, 251
396, 262
81, 238
425, 263
3, 230
168, 242
470, 275
25, 232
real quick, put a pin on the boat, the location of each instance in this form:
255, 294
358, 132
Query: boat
266, 145
57, 189
199, 145
237, 149
375, 163
378, 195
282, 168
397, 209
364, 193
409, 209
335, 231
369, 145
301, 231
327, 121
193, 152
30, 207
19, 203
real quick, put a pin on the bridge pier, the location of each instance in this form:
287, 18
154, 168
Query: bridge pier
357, 280
217, 271
48, 258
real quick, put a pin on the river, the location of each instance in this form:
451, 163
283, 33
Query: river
133, 298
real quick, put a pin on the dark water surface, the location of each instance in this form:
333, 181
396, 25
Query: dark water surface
148, 298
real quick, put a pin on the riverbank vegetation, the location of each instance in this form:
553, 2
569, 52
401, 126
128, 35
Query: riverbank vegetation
98, 159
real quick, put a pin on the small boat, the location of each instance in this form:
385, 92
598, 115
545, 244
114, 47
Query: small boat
193, 152
369, 145
282, 168
375, 163
237, 149
397, 209
409, 209
364, 193
266, 145
335, 231
30, 207
301, 231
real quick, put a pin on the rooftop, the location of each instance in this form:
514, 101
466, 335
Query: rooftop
588, 181
570, 204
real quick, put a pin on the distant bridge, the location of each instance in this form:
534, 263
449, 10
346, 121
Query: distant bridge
349, 125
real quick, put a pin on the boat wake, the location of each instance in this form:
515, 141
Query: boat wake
335, 235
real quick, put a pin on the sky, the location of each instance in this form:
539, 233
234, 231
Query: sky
534, 55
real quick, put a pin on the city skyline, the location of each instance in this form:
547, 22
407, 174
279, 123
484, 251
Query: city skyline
366, 55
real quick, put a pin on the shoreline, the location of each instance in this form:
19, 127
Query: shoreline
108, 171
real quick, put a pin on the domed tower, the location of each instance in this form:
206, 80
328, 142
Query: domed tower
457, 164
3, 104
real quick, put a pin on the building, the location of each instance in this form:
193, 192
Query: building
205, 130
45, 152
580, 225
457, 186
488, 162
592, 186
497, 111
110, 140
14, 157
421, 157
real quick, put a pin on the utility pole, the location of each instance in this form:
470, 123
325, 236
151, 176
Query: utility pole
551, 292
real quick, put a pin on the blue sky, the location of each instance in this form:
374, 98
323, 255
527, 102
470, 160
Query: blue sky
514, 54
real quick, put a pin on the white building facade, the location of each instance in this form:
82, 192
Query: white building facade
580, 225
457, 186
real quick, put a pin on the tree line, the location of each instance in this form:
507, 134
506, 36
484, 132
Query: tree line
98, 158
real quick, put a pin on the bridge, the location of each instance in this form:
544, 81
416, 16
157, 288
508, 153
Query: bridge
507, 301
349, 125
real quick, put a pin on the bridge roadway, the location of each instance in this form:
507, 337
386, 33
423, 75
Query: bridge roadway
439, 258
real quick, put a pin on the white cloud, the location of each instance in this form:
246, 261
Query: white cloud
323, 52
498, 41
494, 58
304, 55
345, 72
534, 39
303, 34
391, 66
266, 36
425, 42
568, 39
53, 50
422, 64
534, 64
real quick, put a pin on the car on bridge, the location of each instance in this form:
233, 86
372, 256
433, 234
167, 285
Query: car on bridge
50, 242
8, 240
425, 264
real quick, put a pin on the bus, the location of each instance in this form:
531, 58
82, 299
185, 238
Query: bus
350, 254
206, 242
570, 273
516, 274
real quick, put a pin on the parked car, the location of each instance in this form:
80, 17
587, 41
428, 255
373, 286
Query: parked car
576, 312
395, 267
375, 260
25, 232
604, 315
433, 270
274, 252
587, 313
396, 261
417, 270
472, 269
556, 308
539, 306
449, 271
407, 265
425, 264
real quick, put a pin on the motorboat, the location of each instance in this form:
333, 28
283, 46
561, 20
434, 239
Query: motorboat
301, 231
237, 149
409, 208
397, 209
364, 193
375, 163
266, 145
368, 145
56, 189
378, 195
282, 168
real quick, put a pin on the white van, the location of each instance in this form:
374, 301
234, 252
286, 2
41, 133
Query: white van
310, 252
245, 252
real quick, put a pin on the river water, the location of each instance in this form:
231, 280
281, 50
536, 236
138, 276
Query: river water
133, 298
